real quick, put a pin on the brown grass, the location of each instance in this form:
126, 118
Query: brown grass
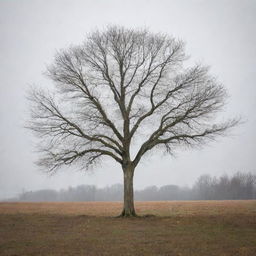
226, 228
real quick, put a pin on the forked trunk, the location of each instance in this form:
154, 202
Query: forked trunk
128, 207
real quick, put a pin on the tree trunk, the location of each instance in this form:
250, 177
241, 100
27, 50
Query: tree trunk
128, 207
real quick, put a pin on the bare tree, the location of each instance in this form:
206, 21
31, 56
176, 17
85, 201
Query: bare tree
120, 94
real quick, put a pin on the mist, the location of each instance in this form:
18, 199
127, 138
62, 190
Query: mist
220, 34
240, 186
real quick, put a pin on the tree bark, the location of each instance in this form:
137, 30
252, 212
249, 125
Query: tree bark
128, 207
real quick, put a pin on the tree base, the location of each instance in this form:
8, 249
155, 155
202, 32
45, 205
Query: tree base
135, 216
127, 214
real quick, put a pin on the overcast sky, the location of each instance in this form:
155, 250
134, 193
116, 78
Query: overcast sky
217, 33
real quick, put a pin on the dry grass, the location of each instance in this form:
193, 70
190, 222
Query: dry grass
199, 228
161, 208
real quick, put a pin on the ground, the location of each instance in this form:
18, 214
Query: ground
197, 228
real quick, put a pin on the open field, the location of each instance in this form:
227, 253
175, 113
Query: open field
195, 228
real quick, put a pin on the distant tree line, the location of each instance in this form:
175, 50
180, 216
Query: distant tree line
238, 186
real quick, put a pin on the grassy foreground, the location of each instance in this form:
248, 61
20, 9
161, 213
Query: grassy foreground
179, 228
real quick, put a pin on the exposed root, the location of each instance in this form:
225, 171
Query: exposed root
136, 216
130, 214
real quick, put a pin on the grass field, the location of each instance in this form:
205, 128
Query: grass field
195, 228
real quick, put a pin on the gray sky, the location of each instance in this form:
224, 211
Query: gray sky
218, 33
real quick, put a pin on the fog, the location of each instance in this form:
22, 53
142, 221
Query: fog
220, 34
240, 186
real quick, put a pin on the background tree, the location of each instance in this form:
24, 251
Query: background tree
120, 94
205, 188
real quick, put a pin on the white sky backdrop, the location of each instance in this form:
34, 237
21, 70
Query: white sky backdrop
218, 33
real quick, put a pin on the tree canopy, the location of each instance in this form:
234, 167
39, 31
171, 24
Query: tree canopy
121, 93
